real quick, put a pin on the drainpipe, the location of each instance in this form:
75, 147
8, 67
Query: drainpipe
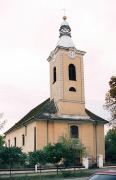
47, 132
96, 142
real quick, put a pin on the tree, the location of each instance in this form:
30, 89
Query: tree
2, 122
2, 142
54, 153
110, 145
110, 100
36, 157
73, 150
66, 149
11, 156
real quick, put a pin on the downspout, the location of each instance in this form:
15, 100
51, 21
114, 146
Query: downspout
47, 132
96, 142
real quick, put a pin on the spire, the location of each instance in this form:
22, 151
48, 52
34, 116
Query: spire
65, 28
65, 35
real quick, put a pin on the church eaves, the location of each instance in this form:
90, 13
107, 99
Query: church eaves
47, 110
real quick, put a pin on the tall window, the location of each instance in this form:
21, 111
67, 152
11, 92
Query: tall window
23, 140
15, 142
34, 138
25, 130
54, 74
74, 133
72, 72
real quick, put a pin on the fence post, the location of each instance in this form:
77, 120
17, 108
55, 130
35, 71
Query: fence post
100, 160
85, 162
36, 168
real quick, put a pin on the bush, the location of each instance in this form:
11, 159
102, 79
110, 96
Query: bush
110, 145
11, 157
36, 157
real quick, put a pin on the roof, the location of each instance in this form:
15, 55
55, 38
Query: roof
95, 117
64, 23
65, 36
65, 41
47, 110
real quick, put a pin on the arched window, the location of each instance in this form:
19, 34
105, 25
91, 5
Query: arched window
15, 141
23, 140
72, 72
54, 74
74, 133
72, 89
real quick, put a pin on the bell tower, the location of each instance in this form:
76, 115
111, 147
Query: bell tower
66, 74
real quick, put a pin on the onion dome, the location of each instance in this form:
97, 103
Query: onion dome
65, 35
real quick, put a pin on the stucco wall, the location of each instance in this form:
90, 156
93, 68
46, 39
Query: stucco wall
50, 131
92, 136
60, 89
71, 108
29, 137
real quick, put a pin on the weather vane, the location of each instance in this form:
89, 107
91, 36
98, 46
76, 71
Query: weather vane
64, 10
64, 17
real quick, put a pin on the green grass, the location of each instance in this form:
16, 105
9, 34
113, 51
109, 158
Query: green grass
63, 174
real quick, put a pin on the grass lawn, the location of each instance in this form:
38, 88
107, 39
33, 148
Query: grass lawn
79, 173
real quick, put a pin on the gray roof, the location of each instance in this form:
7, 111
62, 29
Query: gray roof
47, 111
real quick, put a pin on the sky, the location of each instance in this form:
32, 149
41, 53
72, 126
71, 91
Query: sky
29, 31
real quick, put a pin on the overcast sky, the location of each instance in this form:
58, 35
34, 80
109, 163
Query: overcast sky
29, 31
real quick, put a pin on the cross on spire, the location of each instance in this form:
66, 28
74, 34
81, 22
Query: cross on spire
64, 17
64, 10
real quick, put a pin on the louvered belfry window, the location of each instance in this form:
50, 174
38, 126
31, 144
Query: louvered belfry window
72, 72
54, 74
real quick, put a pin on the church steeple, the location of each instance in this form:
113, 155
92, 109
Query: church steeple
66, 74
65, 29
65, 35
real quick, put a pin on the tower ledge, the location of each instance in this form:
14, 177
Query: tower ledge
65, 48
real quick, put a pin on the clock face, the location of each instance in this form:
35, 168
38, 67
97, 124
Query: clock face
72, 54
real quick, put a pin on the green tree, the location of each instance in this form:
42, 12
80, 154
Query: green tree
54, 153
36, 157
2, 121
110, 100
73, 150
110, 145
66, 150
11, 156
2, 142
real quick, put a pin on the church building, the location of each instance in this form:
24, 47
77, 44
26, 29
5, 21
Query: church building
64, 113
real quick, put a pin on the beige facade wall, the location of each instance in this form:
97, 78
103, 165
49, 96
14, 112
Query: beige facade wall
71, 108
28, 132
51, 131
60, 89
100, 140
86, 137
60, 129
92, 136
16, 133
41, 134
